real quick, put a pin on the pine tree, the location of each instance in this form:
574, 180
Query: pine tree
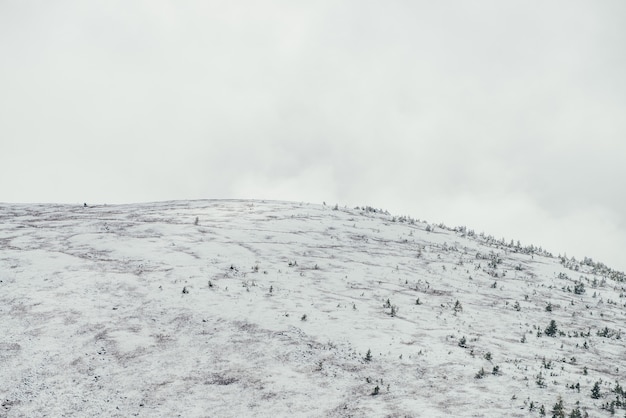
579, 288
595, 392
557, 409
462, 342
576, 413
540, 381
552, 329
457, 307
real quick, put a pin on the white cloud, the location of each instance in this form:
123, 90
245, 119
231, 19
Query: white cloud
490, 112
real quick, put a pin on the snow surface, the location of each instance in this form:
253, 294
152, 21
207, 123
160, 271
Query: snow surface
269, 308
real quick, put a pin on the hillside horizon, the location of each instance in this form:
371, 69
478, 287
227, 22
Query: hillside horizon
502, 240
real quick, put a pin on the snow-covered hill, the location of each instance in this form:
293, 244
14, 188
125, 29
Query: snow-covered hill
249, 308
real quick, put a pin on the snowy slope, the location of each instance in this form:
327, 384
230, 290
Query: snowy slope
249, 308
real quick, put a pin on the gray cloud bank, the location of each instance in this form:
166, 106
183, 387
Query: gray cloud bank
505, 116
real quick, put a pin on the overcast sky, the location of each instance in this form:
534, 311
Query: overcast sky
505, 116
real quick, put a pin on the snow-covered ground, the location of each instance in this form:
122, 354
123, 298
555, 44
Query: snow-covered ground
250, 308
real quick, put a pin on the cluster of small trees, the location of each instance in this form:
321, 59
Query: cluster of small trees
393, 309
620, 397
558, 410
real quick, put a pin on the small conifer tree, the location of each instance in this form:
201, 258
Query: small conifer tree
462, 342
540, 381
557, 410
579, 288
458, 307
595, 391
552, 329
576, 413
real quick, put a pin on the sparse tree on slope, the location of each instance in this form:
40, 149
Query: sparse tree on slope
458, 307
595, 392
552, 329
557, 409
576, 413
462, 342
